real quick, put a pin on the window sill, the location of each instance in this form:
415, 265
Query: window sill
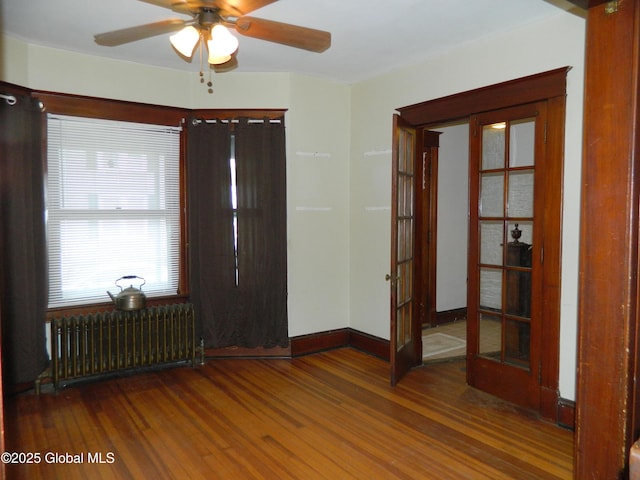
108, 306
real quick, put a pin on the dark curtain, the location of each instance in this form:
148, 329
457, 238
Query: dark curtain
262, 233
210, 220
247, 307
23, 280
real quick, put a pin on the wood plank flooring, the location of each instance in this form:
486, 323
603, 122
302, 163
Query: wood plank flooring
329, 416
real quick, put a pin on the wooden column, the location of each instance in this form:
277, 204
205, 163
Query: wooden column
606, 415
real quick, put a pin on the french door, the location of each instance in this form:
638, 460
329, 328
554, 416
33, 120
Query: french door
405, 339
507, 205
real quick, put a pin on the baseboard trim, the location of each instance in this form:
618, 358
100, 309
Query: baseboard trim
311, 343
259, 352
448, 316
567, 413
344, 337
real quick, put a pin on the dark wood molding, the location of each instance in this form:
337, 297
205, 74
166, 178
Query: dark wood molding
587, 3
258, 352
93, 107
607, 413
533, 88
344, 337
449, 316
319, 342
566, 413
369, 343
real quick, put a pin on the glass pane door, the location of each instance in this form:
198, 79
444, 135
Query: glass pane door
506, 228
507, 200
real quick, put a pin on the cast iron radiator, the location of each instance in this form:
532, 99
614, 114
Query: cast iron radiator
110, 342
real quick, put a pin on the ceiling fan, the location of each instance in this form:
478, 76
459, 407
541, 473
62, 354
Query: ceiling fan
208, 25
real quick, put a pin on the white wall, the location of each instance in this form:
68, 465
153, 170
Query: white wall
539, 47
453, 220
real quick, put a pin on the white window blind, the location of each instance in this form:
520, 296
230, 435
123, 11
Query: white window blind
113, 208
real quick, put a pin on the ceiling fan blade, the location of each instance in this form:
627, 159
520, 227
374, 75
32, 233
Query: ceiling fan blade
241, 7
224, 7
284, 33
131, 34
189, 7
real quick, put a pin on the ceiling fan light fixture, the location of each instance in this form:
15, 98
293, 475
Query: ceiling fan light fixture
185, 40
222, 45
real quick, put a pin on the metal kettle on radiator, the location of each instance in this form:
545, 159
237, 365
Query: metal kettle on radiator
129, 298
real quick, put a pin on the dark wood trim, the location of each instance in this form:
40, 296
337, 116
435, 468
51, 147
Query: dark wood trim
343, 337
231, 114
533, 88
427, 225
319, 342
369, 343
567, 413
587, 3
607, 414
449, 316
258, 352
11, 89
93, 107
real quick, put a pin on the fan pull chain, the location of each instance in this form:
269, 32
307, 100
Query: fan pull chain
209, 83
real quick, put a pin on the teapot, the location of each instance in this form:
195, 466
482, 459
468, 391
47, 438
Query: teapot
129, 298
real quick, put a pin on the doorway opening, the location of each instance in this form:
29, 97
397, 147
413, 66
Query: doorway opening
444, 331
535, 104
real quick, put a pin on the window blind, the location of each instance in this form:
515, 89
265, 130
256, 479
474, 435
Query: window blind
113, 207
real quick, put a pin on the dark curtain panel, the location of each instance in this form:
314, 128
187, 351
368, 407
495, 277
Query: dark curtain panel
262, 234
211, 247
238, 284
23, 279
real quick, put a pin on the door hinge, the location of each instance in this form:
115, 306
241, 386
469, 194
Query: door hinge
611, 7
545, 133
542, 255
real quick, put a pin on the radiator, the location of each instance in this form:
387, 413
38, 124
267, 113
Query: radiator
103, 343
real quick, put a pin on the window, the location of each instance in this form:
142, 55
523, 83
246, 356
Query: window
113, 207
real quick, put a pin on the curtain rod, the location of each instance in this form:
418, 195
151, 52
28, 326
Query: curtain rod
11, 100
198, 121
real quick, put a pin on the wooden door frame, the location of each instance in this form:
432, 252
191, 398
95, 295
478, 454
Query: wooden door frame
547, 86
427, 224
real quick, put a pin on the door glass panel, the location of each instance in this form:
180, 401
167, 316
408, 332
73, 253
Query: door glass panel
492, 194
490, 336
491, 242
493, 146
521, 142
516, 342
491, 289
521, 193
520, 231
518, 293
404, 224
505, 235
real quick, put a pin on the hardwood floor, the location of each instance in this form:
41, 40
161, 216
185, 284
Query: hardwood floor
330, 415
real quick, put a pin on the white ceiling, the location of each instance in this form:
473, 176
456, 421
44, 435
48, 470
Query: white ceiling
369, 37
